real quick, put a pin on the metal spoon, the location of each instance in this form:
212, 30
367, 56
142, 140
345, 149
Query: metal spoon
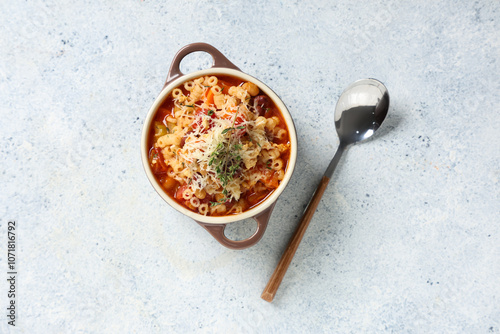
360, 111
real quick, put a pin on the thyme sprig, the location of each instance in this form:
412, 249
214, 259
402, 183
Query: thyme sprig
226, 160
232, 128
221, 201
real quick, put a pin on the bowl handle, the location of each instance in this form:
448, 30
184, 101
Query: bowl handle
219, 59
217, 231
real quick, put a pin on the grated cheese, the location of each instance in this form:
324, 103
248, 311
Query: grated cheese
222, 142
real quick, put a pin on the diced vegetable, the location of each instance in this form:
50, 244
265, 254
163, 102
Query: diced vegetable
160, 129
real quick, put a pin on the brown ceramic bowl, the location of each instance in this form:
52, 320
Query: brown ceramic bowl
215, 225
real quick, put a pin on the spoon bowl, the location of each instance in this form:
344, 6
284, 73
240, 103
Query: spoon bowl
359, 112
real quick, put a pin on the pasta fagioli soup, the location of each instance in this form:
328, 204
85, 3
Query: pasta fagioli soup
218, 145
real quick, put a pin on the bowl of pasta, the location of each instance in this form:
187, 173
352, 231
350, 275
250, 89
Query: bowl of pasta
219, 146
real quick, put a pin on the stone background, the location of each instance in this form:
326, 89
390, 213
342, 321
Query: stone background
405, 240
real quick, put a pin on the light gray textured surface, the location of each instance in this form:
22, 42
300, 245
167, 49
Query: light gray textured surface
405, 240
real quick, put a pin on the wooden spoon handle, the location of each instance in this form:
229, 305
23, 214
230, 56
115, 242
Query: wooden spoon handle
280, 271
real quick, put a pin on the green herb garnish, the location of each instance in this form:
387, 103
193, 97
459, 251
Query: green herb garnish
222, 200
232, 128
226, 159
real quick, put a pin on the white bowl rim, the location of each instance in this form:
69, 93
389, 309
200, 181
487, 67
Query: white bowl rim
230, 218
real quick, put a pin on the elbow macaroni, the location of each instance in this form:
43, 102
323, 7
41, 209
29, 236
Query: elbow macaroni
211, 149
